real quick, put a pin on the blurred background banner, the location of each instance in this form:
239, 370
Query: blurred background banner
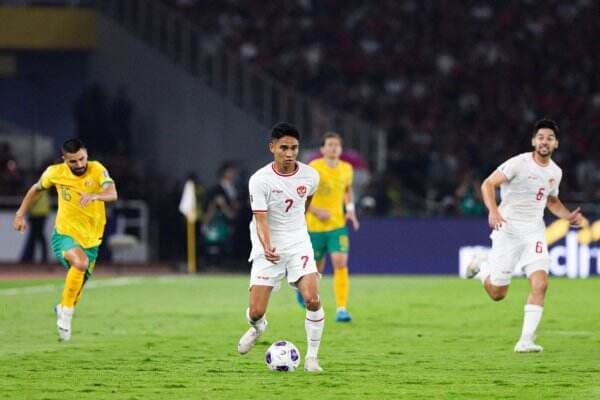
45, 28
395, 246
447, 245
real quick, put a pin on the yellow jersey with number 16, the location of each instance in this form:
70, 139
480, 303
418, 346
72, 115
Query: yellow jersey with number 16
330, 195
84, 224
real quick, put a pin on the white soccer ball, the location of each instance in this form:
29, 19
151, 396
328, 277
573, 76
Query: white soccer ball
282, 356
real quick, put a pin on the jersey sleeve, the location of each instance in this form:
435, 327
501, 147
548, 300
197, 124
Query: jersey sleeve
316, 178
510, 168
103, 176
46, 179
258, 194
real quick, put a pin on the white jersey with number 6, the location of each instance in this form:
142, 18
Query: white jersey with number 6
283, 198
524, 196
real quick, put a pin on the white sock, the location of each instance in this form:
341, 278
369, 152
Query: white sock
531, 320
314, 324
260, 325
67, 312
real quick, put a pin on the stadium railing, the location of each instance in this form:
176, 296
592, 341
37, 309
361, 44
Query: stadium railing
127, 232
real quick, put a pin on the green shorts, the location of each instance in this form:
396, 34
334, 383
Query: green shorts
63, 243
335, 241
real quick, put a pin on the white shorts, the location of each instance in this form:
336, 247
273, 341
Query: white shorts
512, 253
293, 265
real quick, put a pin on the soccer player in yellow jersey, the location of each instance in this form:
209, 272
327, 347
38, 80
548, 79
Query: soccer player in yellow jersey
332, 205
82, 187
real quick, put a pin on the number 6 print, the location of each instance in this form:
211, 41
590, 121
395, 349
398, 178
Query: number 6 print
540, 194
539, 247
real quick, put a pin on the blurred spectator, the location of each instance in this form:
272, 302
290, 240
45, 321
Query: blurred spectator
10, 176
36, 234
221, 211
468, 196
454, 83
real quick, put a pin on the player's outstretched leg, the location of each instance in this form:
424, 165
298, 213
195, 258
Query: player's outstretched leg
341, 285
533, 311
249, 339
314, 322
78, 263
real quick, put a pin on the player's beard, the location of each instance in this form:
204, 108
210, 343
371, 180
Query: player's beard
544, 151
79, 171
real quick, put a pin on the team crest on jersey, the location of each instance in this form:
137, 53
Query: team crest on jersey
89, 183
301, 190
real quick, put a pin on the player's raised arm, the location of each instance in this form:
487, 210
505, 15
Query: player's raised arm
575, 217
264, 235
488, 192
30, 197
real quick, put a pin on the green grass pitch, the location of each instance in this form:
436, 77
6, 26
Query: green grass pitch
412, 337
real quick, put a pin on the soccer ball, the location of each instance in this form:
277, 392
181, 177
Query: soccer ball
282, 356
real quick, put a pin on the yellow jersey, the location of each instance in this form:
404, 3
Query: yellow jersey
330, 195
84, 224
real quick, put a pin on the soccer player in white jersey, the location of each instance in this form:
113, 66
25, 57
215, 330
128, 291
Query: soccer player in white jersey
280, 194
528, 184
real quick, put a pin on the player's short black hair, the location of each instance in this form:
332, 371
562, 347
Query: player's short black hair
72, 146
282, 129
330, 135
545, 123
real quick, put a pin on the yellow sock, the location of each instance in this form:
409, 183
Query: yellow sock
86, 276
78, 297
73, 286
341, 286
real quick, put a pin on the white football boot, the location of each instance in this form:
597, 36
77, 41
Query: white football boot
63, 322
476, 264
249, 339
528, 346
311, 364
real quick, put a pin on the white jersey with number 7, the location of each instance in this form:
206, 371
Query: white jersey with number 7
283, 198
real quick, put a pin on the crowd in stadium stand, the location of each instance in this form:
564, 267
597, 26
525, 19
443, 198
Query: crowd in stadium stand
457, 85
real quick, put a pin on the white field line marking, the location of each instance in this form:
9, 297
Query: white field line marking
90, 285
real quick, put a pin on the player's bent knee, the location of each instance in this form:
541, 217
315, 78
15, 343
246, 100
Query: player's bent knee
80, 263
497, 296
313, 303
497, 293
